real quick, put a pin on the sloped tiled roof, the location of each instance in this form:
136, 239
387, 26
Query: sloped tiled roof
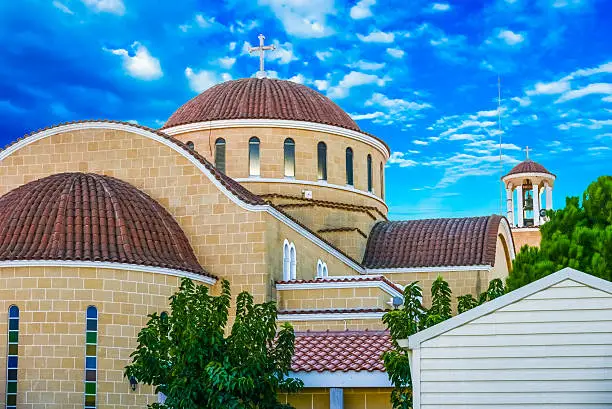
90, 217
345, 280
433, 243
332, 311
261, 98
528, 166
340, 351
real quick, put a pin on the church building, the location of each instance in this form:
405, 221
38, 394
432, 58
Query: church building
263, 182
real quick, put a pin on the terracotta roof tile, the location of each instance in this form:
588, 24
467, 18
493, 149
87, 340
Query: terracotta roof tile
340, 351
345, 280
332, 311
528, 166
433, 243
257, 98
90, 217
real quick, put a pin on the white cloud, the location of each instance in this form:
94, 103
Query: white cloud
486, 114
354, 79
227, 62
62, 7
323, 55
106, 6
232, 46
440, 7
597, 88
243, 27
605, 68
377, 36
395, 52
300, 18
420, 143
462, 165
510, 37
202, 80
204, 22
559, 4
283, 52
549, 88
372, 115
395, 104
399, 158
141, 65
322, 85
366, 65
464, 137
362, 10
299, 79
524, 102
599, 148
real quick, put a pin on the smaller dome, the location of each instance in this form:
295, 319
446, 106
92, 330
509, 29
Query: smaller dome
528, 166
261, 98
89, 217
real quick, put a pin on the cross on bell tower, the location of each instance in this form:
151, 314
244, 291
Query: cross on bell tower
261, 50
527, 151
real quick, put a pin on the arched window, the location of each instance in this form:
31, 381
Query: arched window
322, 161
349, 166
286, 262
12, 357
382, 181
322, 269
220, 154
254, 156
293, 261
369, 173
91, 364
289, 158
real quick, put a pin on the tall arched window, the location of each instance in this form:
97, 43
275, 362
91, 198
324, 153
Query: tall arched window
382, 181
91, 357
349, 166
12, 357
322, 269
292, 261
369, 173
322, 161
254, 156
220, 154
286, 262
289, 149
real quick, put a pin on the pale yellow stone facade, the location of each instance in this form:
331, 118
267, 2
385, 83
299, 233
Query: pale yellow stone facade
354, 398
526, 236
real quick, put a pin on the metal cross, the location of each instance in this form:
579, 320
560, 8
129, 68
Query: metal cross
527, 151
261, 49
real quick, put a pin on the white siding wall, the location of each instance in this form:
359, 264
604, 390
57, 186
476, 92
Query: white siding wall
552, 349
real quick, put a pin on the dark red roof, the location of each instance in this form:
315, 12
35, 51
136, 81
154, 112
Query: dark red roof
528, 166
340, 351
261, 98
332, 311
90, 217
345, 280
432, 243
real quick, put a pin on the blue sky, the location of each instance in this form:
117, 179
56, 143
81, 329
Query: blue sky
421, 75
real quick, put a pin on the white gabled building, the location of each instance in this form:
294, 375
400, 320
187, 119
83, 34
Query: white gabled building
545, 345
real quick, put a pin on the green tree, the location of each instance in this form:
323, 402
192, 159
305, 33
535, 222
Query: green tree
187, 356
577, 236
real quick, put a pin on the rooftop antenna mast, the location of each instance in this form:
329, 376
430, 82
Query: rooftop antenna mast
501, 165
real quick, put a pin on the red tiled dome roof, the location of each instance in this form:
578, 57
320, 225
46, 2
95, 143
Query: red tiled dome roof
261, 98
464, 241
528, 166
89, 217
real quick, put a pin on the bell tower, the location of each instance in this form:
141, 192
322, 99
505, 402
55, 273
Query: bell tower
526, 184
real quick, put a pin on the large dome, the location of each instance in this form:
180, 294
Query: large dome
255, 98
89, 217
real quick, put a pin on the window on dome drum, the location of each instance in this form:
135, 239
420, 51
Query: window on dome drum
322, 161
254, 156
349, 166
220, 154
289, 261
382, 181
12, 357
91, 357
322, 269
369, 173
289, 158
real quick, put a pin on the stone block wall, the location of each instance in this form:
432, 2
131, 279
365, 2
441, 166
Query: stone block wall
332, 298
354, 398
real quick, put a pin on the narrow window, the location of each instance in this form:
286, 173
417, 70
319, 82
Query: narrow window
12, 357
382, 181
369, 173
286, 262
220, 154
293, 261
91, 364
289, 158
322, 269
254, 156
322, 161
349, 166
